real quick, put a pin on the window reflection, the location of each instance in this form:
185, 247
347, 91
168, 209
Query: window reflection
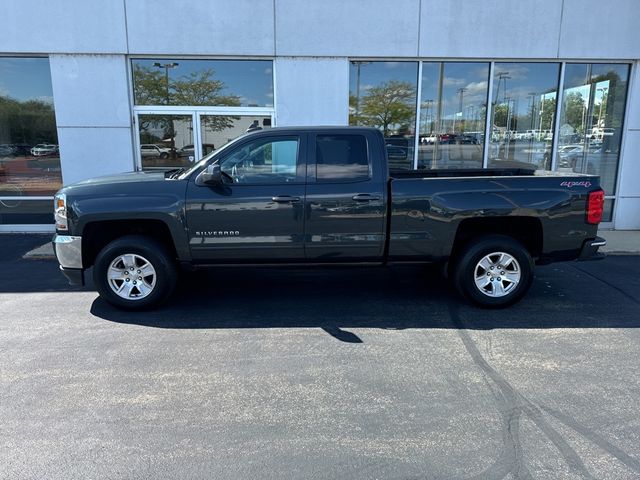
29, 153
452, 114
593, 102
383, 95
227, 83
522, 116
167, 141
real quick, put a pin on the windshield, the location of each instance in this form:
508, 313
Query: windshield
208, 157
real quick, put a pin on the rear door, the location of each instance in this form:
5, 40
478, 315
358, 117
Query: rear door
258, 214
346, 196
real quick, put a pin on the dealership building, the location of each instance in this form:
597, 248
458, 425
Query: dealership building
108, 86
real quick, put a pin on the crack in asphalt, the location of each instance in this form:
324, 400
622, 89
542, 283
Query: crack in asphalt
512, 406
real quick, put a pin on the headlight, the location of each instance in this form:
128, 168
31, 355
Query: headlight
60, 211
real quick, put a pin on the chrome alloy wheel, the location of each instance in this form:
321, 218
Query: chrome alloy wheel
131, 276
497, 274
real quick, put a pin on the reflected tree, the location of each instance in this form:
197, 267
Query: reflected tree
29, 122
387, 105
196, 89
575, 110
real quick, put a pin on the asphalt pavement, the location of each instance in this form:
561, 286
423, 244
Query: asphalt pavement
358, 373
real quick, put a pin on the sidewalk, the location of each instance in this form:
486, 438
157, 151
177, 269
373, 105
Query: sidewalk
620, 242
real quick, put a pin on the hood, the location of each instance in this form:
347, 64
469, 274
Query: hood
130, 177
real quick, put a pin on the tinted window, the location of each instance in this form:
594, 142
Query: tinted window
341, 158
266, 160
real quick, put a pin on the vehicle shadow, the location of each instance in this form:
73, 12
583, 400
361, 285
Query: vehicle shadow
390, 298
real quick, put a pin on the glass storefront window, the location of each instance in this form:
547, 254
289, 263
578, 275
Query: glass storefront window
29, 153
218, 130
453, 106
167, 140
593, 103
522, 114
225, 83
384, 95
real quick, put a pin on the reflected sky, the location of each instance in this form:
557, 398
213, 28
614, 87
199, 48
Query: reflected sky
26, 79
376, 73
523, 80
251, 80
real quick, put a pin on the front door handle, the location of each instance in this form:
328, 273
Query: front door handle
285, 199
365, 197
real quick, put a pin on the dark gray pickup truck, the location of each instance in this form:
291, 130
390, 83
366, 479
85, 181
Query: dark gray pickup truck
322, 195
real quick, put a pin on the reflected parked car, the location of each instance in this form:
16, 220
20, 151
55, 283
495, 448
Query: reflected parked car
43, 149
189, 150
154, 151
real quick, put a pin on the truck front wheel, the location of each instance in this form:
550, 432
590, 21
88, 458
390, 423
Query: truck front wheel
494, 271
134, 272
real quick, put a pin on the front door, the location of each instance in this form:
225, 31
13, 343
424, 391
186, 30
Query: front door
257, 215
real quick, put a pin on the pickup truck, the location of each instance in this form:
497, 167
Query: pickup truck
322, 195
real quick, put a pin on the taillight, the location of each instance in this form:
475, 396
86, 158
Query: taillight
595, 207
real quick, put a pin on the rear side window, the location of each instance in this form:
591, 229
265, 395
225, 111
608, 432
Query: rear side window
342, 158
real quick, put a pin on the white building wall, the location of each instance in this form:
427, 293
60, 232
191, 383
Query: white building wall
312, 91
628, 201
347, 28
93, 115
200, 27
63, 26
490, 29
600, 30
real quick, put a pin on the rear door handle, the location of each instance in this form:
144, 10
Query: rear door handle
365, 197
285, 199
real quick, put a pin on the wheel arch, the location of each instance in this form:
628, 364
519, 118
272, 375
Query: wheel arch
526, 230
98, 234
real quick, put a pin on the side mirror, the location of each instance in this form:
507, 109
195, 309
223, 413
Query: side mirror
210, 175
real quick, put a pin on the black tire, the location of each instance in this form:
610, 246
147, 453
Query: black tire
140, 246
164, 155
467, 268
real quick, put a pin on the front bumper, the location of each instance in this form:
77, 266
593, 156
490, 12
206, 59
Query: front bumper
68, 251
590, 249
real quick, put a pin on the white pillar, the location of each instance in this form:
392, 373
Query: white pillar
627, 215
93, 115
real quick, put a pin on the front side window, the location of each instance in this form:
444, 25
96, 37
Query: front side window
263, 161
342, 158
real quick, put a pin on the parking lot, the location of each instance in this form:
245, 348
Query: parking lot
320, 373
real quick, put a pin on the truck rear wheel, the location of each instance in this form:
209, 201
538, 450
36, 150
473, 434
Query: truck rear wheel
494, 271
134, 272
